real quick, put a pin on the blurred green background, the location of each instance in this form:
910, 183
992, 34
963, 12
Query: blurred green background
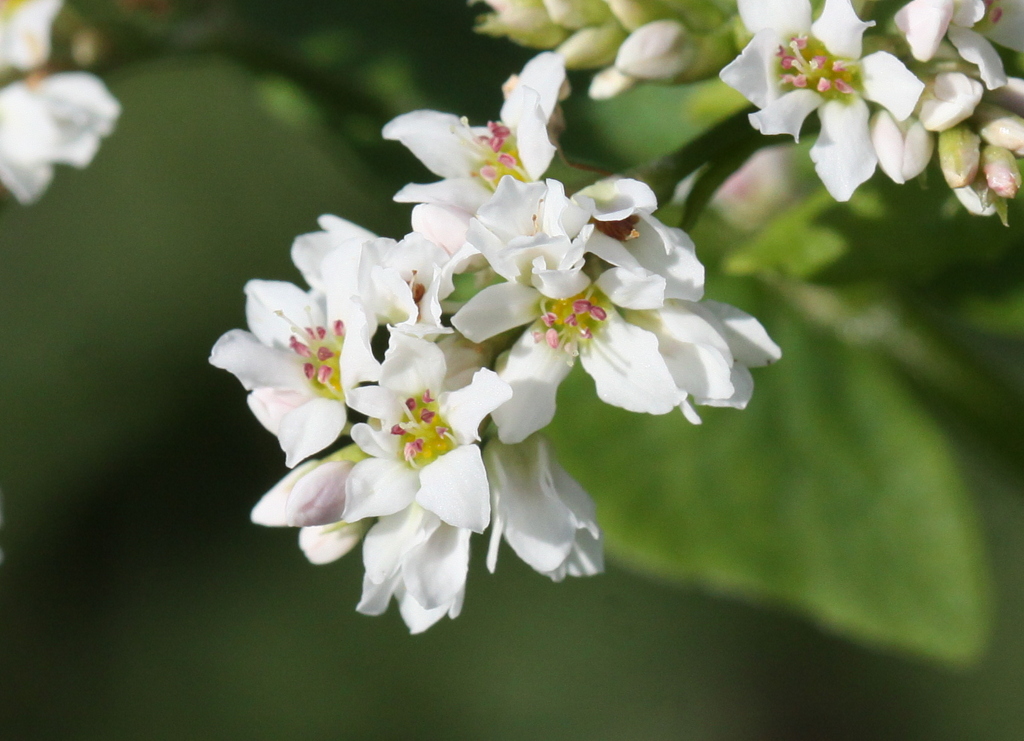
138, 602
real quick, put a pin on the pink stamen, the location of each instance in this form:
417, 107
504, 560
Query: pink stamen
800, 81
781, 52
586, 334
787, 62
838, 66
582, 306
426, 416
552, 337
820, 61
410, 403
549, 319
397, 430
824, 85
441, 431
800, 41
843, 86
427, 398
538, 336
413, 449
298, 347
598, 313
507, 159
571, 320
323, 374
310, 370
339, 328
324, 354
997, 15
321, 332
488, 172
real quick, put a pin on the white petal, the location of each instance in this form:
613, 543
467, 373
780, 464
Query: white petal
378, 487
466, 408
269, 405
754, 73
843, 155
376, 443
412, 366
443, 225
840, 29
545, 74
390, 540
376, 595
976, 49
376, 402
888, 81
560, 284
319, 497
534, 371
670, 253
497, 309
26, 38
535, 148
265, 298
618, 199
270, 510
418, 619
748, 340
784, 16
924, 23
699, 370
437, 139
633, 289
889, 143
255, 364
1009, 31
310, 428
627, 368
743, 389
953, 98
467, 193
786, 115
435, 572
586, 557
656, 51
454, 487
323, 545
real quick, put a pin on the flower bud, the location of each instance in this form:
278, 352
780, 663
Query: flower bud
635, 13
577, 14
595, 46
1001, 128
959, 156
903, 149
318, 498
978, 200
1001, 171
924, 23
1010, 96
950, 99
657, 51
524, 21
608, 83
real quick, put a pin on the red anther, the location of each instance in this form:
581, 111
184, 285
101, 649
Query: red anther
397, 430
552, 337
413, 449
843, 86
310, 332
598, 313
298, 347
321, 332
800, 81
800, 41
781, 52
507, 159
441, 431
310, 370
323, 373
787, 62
410, 403
324, 354
824, 85
821, 61
838, 66
586, 333
582, 306
339, 328
997, 15
571, 320
426, 416
427, 398
549, 319
488, 172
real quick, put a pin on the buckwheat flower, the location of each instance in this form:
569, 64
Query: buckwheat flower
311, 498
420, 561
58, 119
793, 67
709, 348
971, 26
540, 510
25, 32
304, 353
951, 98
535, 238
473, 159
422, 438
904, 149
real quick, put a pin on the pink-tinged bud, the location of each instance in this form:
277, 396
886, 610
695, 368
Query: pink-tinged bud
1000, 128
903, 149
1001, 171
959, 156
1010, 96
656, 51
924, 23
978, 200
608, 83
318, 498
950, 99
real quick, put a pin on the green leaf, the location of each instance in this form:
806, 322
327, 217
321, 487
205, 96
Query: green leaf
833, 493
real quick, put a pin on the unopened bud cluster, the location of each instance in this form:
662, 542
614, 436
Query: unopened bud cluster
505, 283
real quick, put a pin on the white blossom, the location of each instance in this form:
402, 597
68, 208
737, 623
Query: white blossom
793, 67
59, 119
25, 32
951, 98
903, 148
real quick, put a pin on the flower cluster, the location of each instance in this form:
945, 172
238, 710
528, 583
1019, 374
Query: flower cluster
45, 119
794, 65
504, 282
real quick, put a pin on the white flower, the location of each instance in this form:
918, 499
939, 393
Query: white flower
534, 237
59, 119
422, 438
658, 50
25, 32
305, 352
473, 159
709, 348
951, 98
903, 149
541, 511
967, 24
420, 561
793, 67
311, 497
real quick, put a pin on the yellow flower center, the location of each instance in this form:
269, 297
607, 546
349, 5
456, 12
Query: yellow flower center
320, 347
806, 64
425, 435
499, 156
565, 323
